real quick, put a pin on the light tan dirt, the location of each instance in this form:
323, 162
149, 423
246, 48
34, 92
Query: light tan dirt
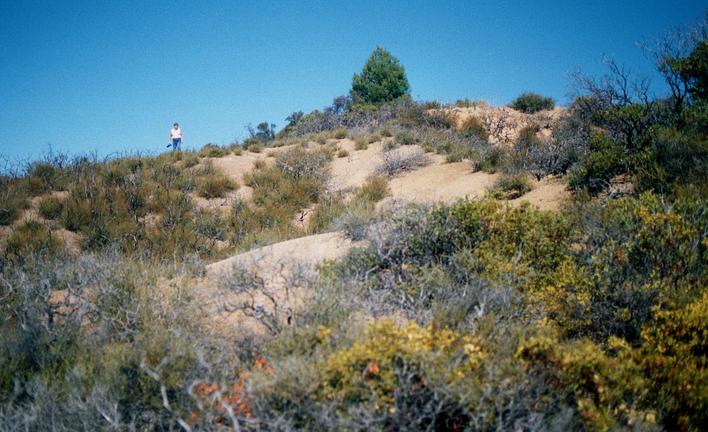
548, 194
283, 267
504, 124
352, 171
440, 182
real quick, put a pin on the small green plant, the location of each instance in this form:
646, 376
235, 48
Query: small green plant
215, 186
405, 137
12, 202
342, 153
510, 186
361, 142
491, 160
76, 213
255, 148
190, 160
31, 237
50, 207
373, 190
43, 177
213, 151
605, 160
340, 133
530, 103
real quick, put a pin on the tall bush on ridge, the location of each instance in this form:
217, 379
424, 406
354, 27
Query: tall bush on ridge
383, 79
532, 102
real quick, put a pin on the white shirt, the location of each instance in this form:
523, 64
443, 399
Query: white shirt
176, 133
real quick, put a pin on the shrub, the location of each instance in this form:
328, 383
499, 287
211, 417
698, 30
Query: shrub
213, 150
190, 161
340, 133
383, 79
531, 102
390, 359
396, 161
11, 204
29, 238
300, 163
491, 160
264, 132
373, 190
215, 186
605, 160
473, 127
557, 154
50, 207
355, 219
43, 177
361, 142
511, 186
77, 213
210, 226
342, 153
405, 137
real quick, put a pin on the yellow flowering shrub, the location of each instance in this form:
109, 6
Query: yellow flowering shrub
369, 370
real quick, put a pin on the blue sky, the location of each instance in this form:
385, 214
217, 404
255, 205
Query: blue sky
108, 76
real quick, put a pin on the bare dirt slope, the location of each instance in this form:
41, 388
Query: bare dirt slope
282, 270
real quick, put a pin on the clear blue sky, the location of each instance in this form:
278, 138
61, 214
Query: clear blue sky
112, 76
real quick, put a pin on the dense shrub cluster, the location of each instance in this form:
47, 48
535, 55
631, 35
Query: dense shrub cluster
532, 102
504, 288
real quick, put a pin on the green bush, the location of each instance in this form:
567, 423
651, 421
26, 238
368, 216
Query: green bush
340, 133
361, 142
215, 186
50, 207
405, 137
31, 237
532, 102
382, 79
605, 160
341, 153
12, 202
491, 161
373, 190
43, 177
76, 214
511, 186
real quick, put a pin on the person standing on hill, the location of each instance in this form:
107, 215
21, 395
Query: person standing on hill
175, 137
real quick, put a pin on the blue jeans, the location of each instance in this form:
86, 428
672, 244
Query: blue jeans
176, 144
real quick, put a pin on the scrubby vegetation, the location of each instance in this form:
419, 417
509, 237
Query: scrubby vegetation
532, 102
474, 315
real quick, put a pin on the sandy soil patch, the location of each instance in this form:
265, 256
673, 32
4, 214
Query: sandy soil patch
548, 194
283, 269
